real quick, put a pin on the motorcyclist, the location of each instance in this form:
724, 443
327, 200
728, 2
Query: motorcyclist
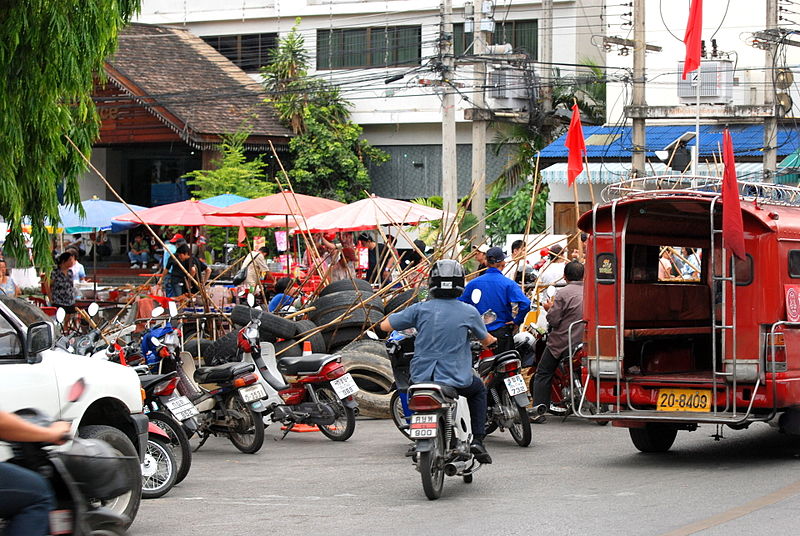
498, 293
442, 349
25, 496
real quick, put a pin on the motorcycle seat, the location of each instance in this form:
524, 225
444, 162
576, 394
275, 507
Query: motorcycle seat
304, 364
222, 373
505, 356
150, 380
451, 393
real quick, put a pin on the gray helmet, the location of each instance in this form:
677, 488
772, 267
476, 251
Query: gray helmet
446, 279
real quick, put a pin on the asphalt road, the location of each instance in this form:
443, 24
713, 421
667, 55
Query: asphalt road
576, 478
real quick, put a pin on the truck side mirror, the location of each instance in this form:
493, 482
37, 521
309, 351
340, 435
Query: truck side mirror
39, 338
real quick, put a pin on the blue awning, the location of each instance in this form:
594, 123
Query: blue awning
606, 173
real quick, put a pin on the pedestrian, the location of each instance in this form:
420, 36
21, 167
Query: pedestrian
518, 270
61, 289
563, 310
343, 267
173, 278
138, 254
480, 256
7, 285
552, 274
176, 240
284, 287
374, 254
199, 270
498, 294
256, 263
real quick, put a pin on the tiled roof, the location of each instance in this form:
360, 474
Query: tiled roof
194, 89
617, 142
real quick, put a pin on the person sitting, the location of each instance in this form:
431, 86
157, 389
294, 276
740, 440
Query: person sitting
443, 355
138, 254
7, 285
284, 297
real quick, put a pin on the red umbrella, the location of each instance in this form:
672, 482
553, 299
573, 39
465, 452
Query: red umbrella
189, 213
369, 213
281, 204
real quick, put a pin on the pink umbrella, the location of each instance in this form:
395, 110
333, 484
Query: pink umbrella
281, 204
369, 213
189, 213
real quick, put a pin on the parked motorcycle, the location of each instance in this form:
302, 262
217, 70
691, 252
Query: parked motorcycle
316, 391
158, 467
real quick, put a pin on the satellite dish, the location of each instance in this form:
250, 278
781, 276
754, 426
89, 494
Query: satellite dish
784, 79
784, 102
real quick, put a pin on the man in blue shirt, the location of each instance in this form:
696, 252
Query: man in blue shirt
498, 293
284, 297
442, 351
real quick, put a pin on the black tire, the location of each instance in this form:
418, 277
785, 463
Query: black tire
200, 348
317, 340
158, 468
345, 423
223, 350
126, 504
346, 284
431, 466
293, 351
375, 381
467, 479
178, 442
330, 307
398, 416
357, 317
521, 427
653, 437
368, 346
248, 433
272, 326
337, 338
400, 301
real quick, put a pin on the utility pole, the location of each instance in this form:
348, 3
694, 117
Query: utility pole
770, 123
638, 95
479, 125
547, 55
449, 164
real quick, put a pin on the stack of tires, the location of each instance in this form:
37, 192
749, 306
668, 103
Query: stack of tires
346, 309
368, 362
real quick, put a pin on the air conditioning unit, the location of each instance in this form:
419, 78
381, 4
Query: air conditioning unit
716, 83
509, 88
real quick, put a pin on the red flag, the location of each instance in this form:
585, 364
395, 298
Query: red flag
732, 226
694, 30
576, 146
242, 235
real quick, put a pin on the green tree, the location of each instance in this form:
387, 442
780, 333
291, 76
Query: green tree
50, 53
510, 215
330, 158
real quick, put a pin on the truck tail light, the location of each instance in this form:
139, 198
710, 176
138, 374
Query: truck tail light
778, 345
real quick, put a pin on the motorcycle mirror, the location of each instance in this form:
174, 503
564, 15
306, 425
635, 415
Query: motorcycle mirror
371, 335
155, 342
251, 300
61, 314
76, 390
93, 309
173, 309
158, 311
476, 296
489, 317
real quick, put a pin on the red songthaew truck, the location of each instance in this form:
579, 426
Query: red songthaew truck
678, 330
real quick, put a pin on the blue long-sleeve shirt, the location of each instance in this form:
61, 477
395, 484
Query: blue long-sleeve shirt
498, 293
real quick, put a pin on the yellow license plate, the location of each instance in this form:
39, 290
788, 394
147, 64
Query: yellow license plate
684, 400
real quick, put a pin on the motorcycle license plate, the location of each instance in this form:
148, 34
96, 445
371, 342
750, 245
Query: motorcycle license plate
684, 400
344, 386
423, 426
252, 393
60, 522
515, 385
181, 408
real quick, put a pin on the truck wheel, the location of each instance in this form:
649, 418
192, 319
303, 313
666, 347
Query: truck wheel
126, 504
653, 437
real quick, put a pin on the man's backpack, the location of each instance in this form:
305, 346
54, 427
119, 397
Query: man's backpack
241, 275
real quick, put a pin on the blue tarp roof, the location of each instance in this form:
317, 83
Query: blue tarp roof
617, 142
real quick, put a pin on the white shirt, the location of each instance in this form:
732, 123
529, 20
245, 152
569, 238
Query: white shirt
552, 274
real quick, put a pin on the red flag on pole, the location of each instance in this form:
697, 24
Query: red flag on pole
576, 146
242, 235
694, 30
732, 226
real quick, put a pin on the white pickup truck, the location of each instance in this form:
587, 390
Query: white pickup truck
33, 374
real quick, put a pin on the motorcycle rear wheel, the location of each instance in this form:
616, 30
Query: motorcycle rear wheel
158, 469
521, 426
345, 423
248, 433
178, 442
398, 415
431, 466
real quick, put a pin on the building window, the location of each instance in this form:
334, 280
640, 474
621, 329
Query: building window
250, 52
368, 47
523, 35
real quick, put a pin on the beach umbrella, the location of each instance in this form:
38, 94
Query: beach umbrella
369, 213
224, 200
189, 213
281, 204
99, 215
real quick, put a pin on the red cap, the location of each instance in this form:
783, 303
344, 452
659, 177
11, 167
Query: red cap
176, 237
330, 237
544, 252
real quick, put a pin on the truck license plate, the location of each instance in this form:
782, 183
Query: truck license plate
515, 385
344, 386
684, 400
253, 392
423, 427
182, 408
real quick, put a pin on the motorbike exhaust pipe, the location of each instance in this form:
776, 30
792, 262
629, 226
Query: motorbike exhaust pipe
453, 468
541, 409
